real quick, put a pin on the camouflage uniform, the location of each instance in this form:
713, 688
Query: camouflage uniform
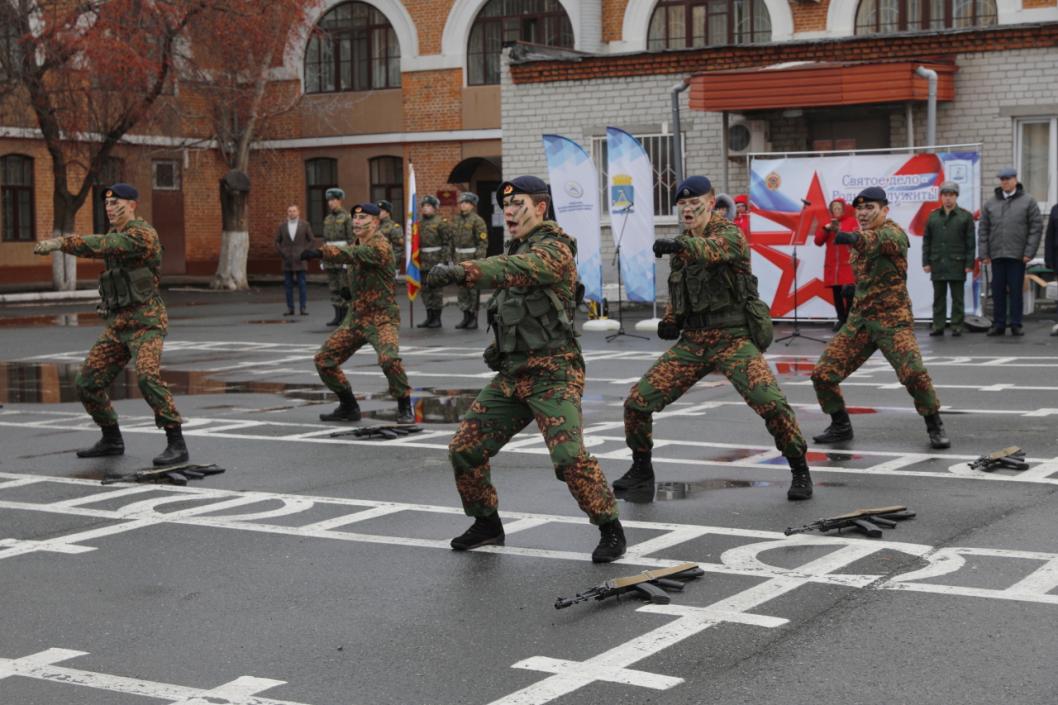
337, 227
134, 332
541, 374
393, 233
470, 238
373, 316
880, 319
435, 247
720, 343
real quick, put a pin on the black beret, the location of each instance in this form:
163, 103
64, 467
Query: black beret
385, 205
123, 191
369, 208
523, 184
693, 186
871, 194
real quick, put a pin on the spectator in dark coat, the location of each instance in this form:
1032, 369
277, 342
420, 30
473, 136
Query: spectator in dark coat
948, 256
294, 236
837, 272
1050, 251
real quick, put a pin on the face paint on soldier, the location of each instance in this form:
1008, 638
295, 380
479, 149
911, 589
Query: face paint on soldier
870, 215
695, 212
119, 211
364, 224
522, 215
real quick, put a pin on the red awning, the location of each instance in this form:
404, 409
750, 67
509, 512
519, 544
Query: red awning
807, 84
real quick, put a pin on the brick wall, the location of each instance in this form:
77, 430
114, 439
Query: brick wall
429, 17
613, 15
433, 100
1029, 4
810, 16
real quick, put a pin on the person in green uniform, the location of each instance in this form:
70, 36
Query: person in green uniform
540, 370
392, 231
948, 251
136, 324
435, 247
471, 241
880, 319
338, 230
709, 283
373, 316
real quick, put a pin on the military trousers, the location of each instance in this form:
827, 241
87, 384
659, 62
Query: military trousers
343, 343
134, 335
696, 354
469, 299
853, 344
337, 279
940, 304
432, 296
550, 394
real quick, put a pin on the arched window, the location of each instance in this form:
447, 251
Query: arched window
502, 21
683, 24
320, 175
16, 198
354, 48
886, 16
387, 183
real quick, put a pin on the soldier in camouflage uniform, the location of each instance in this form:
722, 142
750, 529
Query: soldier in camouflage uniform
338, 229
373, 316
880, 319
136, 324
710, 272
471, 241
392, 231
435, 247
540, 370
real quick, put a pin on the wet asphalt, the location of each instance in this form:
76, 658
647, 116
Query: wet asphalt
379, 611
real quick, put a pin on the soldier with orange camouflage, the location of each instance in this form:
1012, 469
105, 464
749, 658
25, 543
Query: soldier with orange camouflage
880, 319
372, 317
710, 285
136, 323
540, 370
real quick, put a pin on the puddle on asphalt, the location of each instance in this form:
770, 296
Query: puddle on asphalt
82, 318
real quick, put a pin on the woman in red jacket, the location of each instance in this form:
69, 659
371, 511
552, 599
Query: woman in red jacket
837, 272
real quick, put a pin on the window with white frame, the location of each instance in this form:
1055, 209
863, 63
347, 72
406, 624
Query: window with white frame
1036, 158
659, 148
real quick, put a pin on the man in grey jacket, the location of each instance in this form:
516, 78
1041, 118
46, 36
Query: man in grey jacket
1007, 238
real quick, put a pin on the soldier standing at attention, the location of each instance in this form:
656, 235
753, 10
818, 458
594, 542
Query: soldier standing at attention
435, 247
337, 229
136, 324
540, 370
948, 252
708, 285
391, 229
880, 319
373, 316
471, 239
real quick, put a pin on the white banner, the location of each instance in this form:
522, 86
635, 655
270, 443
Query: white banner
779, 225
576, 200
631, 191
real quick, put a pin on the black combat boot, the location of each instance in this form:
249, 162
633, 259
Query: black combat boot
612, 543
337, 316
175, 449
110, 444
404, 412
348, 409
801, 482
428, 323
466, 319
435, 319
485, 531
639, 476
472, 320
935, 428
840, 429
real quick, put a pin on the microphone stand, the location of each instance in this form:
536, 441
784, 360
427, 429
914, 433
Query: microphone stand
796, 333
620, 314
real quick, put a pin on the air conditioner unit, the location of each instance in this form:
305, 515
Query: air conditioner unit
745, 136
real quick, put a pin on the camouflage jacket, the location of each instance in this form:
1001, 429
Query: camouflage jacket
371, 279
879, 259
721, 244
337, 227
470, 237
395, 235
435, 231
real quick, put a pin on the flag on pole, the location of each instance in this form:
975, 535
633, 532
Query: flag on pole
411, 244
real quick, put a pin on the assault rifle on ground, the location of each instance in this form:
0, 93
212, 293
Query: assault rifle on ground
1012, 458
169, 474
386, 431
866, 521
648, 584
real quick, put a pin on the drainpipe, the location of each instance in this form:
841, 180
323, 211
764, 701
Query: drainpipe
931, 115
677, 134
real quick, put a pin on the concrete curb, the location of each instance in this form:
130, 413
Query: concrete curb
34, 297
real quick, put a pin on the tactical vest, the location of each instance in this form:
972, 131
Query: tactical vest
121, 287
533, 318
706, 297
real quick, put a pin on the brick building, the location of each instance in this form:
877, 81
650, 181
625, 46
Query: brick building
385, 83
